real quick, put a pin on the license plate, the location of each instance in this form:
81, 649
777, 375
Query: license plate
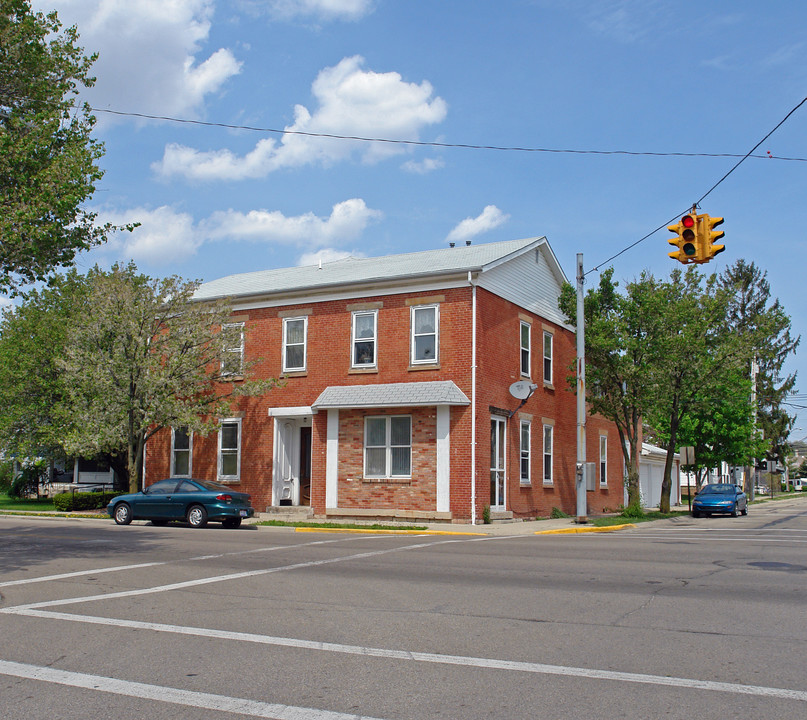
243, 513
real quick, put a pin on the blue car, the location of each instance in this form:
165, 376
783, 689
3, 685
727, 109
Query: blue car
194, 501
724, 498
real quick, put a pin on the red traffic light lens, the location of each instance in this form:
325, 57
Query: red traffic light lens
688, 221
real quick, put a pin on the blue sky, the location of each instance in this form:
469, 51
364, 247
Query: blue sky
645, 76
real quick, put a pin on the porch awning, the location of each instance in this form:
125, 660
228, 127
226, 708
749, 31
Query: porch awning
413, 394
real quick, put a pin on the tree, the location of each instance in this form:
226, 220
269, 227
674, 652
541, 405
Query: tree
763, 326
618, 384
48, 159
140, 356
32, 337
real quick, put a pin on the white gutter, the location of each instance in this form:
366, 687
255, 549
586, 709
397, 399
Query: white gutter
473, 398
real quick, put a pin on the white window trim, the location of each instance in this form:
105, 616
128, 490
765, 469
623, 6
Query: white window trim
388, 447
525, 452
549, 357
528, 348
603, 460
234, 350
189, 451
354, 339
304, 344
436, 333
237, 476
550, 453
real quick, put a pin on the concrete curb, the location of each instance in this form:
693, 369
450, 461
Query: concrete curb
570, 531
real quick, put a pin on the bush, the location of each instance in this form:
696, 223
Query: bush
71, 502
557, 514
27, 482
635, 510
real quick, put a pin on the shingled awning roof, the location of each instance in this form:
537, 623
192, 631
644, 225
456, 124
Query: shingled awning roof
413, 394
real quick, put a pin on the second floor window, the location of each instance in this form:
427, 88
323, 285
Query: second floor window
294, 343
365, 324
424, 334
232, 359
548, 358
525, 349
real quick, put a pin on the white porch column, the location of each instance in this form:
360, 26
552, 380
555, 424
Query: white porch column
443, 458
332, 460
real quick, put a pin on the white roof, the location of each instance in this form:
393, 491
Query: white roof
352, 270
409, 394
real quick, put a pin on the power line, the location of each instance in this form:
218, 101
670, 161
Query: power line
708, 192
424, 143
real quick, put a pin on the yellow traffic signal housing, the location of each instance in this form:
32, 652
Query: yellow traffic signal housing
687, 239
708, 235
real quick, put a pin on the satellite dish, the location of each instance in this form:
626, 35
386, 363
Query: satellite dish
522, 389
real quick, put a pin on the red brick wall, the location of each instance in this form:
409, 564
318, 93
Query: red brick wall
328, 363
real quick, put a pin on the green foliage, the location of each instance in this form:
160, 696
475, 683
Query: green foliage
48, 159
72, 502
6, 475
486, 515
634, 510
557, 514
27, 482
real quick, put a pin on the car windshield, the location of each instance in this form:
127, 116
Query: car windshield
210, 485
718, 490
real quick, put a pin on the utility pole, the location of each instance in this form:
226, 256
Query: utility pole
580, 483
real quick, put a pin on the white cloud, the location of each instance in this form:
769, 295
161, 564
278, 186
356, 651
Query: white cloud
352, 102
164, 237
325, 255
424, 166
148, 52
490, 218
347, 221
167, 236
324, 9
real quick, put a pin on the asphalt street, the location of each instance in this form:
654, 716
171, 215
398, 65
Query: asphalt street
675, 619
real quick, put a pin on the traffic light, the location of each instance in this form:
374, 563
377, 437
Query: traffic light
686, 240
708, 235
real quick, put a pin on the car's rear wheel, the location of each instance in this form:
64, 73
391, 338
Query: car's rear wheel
231, 522
123, 514
197, 516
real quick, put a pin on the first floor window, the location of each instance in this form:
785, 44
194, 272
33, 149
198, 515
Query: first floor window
388, 446
603, 459
180, 452
525, 452
230, 449
548, 454
294, 342
364, 338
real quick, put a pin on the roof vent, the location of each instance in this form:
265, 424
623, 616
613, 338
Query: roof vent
468, 243
451, 244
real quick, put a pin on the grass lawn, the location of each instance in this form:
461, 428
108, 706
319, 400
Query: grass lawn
649, 515
14, 504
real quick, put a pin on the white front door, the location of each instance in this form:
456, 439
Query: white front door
497, 462
286, 475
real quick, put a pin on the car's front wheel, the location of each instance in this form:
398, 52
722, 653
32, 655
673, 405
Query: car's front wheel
745, 510
122, 514
197, 516
734, 512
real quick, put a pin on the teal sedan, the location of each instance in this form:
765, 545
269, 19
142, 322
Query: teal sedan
194, 501
725, 498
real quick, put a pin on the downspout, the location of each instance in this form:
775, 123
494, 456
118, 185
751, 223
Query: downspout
473, 398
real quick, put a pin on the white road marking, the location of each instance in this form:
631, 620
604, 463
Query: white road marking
435, 658
230, 576
137, 566
175, 696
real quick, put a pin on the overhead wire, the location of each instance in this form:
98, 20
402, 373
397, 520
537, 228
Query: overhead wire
706, 194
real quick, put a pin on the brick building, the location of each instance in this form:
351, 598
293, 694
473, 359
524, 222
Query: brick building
396, 400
